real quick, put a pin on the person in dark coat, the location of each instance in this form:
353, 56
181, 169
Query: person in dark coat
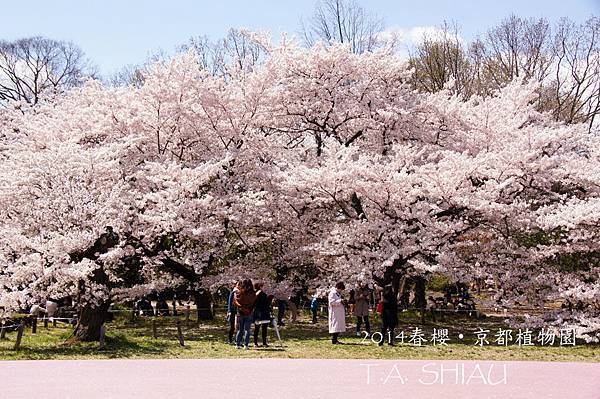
389, 315
281, 305
162, 308
262, 314
145, 307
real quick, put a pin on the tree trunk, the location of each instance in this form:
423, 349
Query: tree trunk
420, 301
91, 318
398, 284
203, 300
89, 322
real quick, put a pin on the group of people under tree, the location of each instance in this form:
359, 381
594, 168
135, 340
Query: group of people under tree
247, 304
358, 304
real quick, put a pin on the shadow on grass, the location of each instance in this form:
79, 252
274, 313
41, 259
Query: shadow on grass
117, 346
278, 349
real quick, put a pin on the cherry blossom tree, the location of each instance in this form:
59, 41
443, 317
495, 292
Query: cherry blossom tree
124, 196
318, 164
399, 186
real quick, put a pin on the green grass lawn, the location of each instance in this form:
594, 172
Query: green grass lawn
126, 339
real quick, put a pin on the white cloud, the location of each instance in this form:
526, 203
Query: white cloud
406, 38
415, 35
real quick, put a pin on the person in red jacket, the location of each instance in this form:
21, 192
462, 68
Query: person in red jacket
244, 301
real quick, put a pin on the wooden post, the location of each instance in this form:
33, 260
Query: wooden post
19, 336
2, 331
34, 324
133, 315
179, 333
154, 334
54, 322
174, 308
102, 336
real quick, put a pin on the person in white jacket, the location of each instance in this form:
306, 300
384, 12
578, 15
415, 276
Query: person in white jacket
337, 313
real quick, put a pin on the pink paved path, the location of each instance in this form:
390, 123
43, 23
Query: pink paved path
303, 378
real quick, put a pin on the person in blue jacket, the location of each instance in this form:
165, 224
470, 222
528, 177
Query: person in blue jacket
231, 312
314, 307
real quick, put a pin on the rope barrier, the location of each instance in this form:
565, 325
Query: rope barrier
147, 310
184, 309
481, 309
11, 326
69, 319
56, 318
454, 310
122, 310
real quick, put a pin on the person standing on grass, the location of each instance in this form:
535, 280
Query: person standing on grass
293, 303
162, 308
232, 312
351, 301
389, 315
262, 314
337, 313
244, 301
281, 304
51, 308
361, 309
314, 307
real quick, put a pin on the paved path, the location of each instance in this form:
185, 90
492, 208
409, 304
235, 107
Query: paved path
302, 378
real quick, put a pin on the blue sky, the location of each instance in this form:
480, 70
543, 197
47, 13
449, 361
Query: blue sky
114, 33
